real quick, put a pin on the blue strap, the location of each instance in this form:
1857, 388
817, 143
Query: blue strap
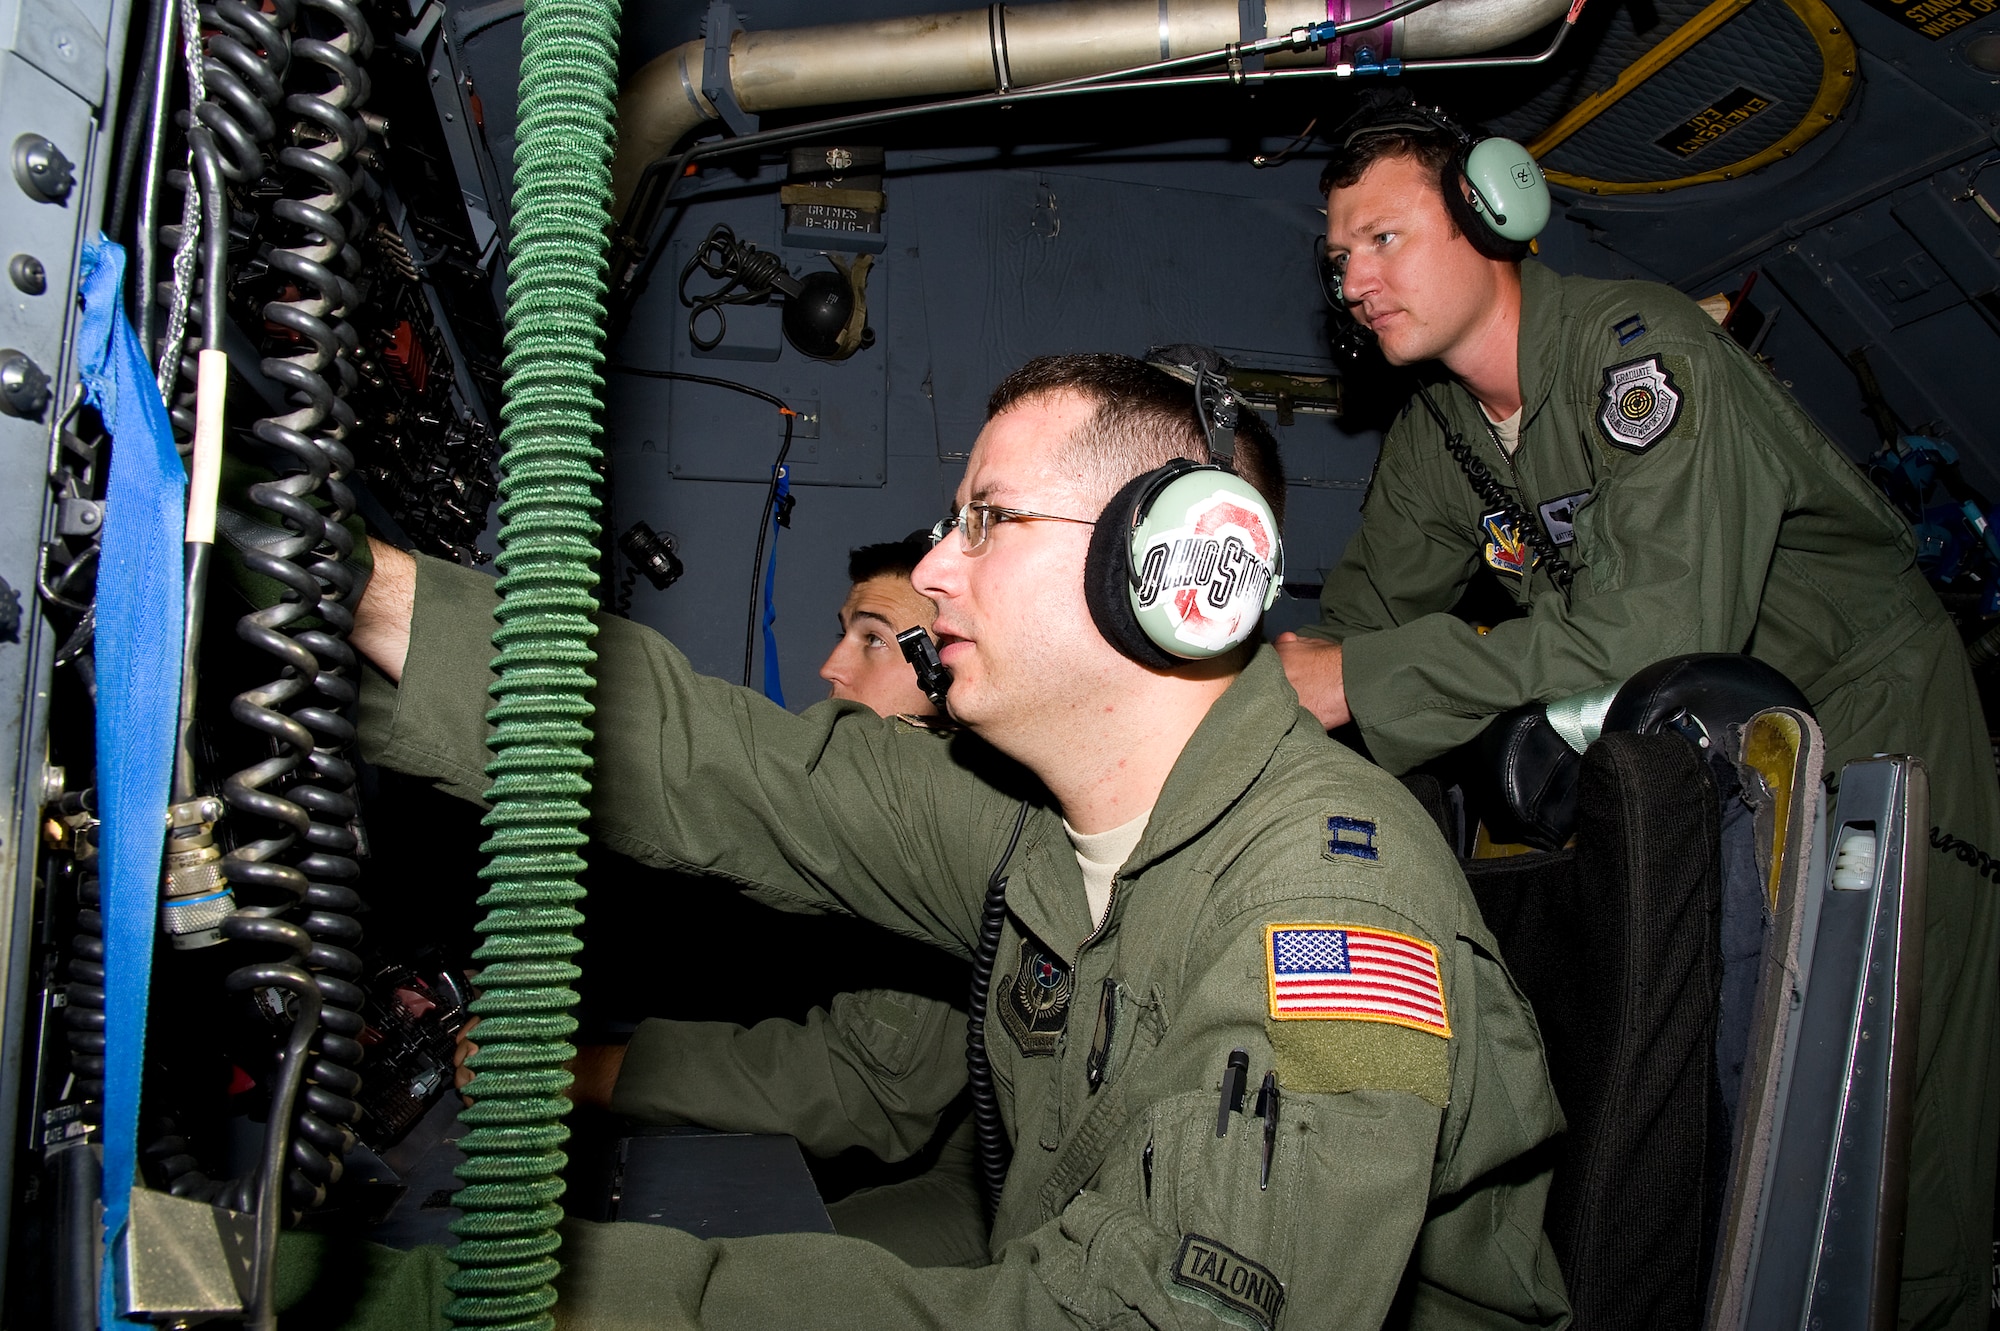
772, 689
138, 698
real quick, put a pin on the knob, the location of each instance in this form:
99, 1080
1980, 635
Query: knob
24, 388
42, 169
28, 275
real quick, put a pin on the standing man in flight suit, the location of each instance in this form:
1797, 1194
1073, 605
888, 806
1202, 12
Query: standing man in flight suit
1285, 916
1640, 452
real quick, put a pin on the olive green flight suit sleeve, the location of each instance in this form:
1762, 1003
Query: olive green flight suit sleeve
1673, 548
1398, 1191
875, 1070
1410, 557
837, 809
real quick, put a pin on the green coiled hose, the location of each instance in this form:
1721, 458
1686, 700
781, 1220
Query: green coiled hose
506, 1254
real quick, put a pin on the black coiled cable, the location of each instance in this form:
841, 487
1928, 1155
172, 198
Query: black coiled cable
988, 1129
245, 55
83, 999
748, 275
1985, 865
301, 797
313, 498
74, 1164
1496, 497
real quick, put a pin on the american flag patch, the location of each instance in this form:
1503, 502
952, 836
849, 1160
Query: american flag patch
1339, 972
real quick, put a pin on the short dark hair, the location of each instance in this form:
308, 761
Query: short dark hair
888, 557
1145, 418
1432, 149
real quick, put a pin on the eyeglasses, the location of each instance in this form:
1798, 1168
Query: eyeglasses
975, 522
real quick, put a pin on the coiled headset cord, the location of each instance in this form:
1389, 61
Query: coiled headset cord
1489, 489
1988, 866
986, 1125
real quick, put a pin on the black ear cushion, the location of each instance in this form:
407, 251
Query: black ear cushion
1469, 221
1107, 578
1536, 772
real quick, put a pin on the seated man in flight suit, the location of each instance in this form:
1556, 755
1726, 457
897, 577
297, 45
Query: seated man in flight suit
1286, 915
876, 1068
1657, 494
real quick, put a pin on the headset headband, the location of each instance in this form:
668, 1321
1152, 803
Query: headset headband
1407, 119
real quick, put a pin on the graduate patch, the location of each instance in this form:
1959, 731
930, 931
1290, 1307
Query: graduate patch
1216, 1275
1506, 551
1037, 1003
1637, 404
1344, 972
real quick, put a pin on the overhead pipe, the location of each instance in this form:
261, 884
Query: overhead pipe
1006, 46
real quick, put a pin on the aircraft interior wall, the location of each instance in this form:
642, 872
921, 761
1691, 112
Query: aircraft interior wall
1861, 263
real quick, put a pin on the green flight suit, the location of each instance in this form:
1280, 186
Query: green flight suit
877, 1069
1718, 519
1404, 1187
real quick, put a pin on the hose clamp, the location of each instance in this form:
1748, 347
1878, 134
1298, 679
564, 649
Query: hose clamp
719, 31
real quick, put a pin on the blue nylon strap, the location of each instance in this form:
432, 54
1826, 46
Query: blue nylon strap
772, 689
138, 699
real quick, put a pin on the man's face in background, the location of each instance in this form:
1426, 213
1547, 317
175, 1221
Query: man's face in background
866, 665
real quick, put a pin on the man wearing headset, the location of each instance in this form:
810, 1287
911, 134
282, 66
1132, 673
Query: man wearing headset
1648, 491
1246, 1039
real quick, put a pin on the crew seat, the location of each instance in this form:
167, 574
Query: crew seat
1712, 996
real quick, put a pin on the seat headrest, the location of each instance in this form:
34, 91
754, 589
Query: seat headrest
1716, 690
1701, 697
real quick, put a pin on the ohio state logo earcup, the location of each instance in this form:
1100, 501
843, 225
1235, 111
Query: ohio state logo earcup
1204, 565
1200, 563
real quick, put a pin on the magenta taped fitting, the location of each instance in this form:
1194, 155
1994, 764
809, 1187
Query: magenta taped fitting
1380, 40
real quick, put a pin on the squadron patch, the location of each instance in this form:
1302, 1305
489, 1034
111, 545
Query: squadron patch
1206, 1272
1506, 550
1037, 1002
1638, 404
1559, 517
1344, 972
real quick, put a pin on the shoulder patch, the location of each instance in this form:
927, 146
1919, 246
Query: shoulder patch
1226, 1280
1345, 972
1352, 839
1638, 404
1629, 329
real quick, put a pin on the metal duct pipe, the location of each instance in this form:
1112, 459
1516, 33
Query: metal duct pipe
1008, 46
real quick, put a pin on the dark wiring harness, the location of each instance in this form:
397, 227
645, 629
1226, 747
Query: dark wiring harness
770, 508
988, 1130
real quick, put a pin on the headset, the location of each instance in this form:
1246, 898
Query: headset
1185, 559
1492, 187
